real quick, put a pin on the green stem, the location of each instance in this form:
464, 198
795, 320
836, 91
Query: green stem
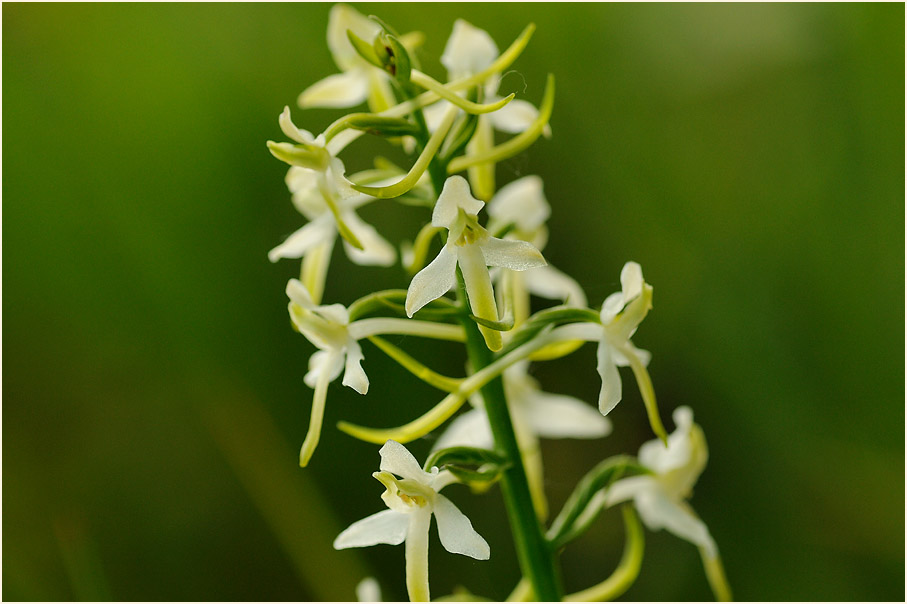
535, 557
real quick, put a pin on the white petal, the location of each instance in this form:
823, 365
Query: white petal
612, 305
611, 391
521, 202
433, 281
354, 376
290, 129
456, 532
514, 117
342, 18
631, 280
620, 359
561, 416
658, 511
397, 459
340, 90
376, 250
454, 196
548, 282
515, 255
299, 294
626, 489
469, 430
469, 50
417, 555
300, 242
323, 360
387, 526
340, 186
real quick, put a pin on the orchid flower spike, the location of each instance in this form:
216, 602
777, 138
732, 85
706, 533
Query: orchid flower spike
470, 247
358, 80
328, 327
660, 497
412, 496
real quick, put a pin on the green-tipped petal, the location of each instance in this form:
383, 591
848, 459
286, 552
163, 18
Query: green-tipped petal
296, 155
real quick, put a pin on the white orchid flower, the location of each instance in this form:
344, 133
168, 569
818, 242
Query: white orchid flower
470, 247
328, 327
522, 205
322, 227
621, 314
412, 497
327, 199
358, 80
661, 497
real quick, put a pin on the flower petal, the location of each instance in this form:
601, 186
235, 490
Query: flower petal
515, 255
292, 131
417, 556
454, 196
354, 376
561, 416
397, 459
548, 282
342, 18
340, 90
631, 280
387, 526
303, 240
468, 51
515, 117
611, 391
433, 281
456, 532
480, 291
658, 511
299, 294
376, 251
521, 202
626, 489
323, 360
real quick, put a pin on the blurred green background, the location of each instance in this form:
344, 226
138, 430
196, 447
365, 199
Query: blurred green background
748, 156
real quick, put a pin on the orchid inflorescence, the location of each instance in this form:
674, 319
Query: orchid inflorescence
493, 271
